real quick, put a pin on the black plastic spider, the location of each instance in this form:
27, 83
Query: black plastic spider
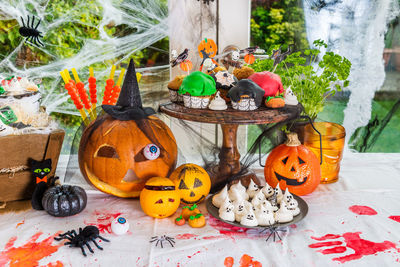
207, 1
273, 231
162, 239
30, 32
89, 233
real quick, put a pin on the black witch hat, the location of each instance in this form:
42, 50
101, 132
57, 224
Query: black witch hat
129, 104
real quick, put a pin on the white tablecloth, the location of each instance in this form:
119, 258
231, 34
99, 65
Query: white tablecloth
331, 234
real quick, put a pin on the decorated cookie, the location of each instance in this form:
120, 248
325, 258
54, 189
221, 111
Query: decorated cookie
219, 198
197, 221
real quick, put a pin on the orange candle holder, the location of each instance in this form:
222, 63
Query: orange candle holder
333, 139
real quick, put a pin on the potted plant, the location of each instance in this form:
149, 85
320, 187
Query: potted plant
312, 79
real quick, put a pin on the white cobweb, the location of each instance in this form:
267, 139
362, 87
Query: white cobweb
354, 29
148, 18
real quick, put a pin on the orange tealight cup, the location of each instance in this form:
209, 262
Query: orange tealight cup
333, 138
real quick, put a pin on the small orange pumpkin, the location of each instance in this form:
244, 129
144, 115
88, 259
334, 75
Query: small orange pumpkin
188, 211
197, 221
186, 65
249, 59
180, 221
159, 198
293, 166
209, 47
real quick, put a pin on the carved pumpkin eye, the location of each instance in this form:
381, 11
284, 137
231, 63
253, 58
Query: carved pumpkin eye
107, 151
285, 160
159, 201
171, 199
197, 183
151, 152
182, 185
301, 161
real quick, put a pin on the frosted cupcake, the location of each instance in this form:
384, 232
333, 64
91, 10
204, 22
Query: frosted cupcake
173, 87
197, 89
224, 82
246, 95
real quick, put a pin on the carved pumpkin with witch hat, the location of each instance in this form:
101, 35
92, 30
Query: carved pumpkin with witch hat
293, 166
126, 146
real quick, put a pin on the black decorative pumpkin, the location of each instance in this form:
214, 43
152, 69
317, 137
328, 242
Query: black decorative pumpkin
64, 200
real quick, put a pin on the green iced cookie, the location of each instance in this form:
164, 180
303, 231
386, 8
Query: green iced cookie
198, 84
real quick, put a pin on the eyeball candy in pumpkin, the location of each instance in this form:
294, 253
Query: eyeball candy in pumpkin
151, 152
120, 226
193, 183
125, 147
159, 198
293, 166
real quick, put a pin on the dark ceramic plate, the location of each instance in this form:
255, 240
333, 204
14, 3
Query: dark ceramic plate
302, 206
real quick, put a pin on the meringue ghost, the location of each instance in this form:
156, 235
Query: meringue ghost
239, 187
226, 213
287, 197
267, 190
219, 198
218, 103
290, 97
267, 205
249, 219
258, 199
283, 214
236, 195
253, 189
240, 210
226, 203
293, 207
265, 217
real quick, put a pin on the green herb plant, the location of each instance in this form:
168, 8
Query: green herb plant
312, 85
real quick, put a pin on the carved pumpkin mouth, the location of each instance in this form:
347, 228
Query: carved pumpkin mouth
290, 181
193, 202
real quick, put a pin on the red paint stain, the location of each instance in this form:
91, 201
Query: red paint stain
30, 253
194, 254
361, 247
55, 264
232, 231
362, 210
395, 218
228, 262
293, 226
21, 223
185, 236
103, 220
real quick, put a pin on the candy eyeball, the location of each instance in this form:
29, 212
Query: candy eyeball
120, 226
151, 152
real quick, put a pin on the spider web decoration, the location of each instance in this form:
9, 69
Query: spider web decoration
144, 23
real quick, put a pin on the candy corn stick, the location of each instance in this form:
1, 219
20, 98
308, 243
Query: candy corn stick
82, 93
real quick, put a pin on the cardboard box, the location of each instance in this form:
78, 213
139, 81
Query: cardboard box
16, 181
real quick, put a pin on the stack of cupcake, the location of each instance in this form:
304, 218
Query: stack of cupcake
243, 88
255, 206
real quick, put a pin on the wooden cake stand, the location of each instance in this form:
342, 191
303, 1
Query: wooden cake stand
230, 119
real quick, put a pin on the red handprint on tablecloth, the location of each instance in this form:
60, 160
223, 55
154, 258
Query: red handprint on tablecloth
353, 241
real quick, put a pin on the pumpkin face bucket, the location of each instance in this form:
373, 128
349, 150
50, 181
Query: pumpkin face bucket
293, 166
193, 183
159, 198
114, 156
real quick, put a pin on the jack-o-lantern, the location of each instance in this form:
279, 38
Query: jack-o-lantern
193, 183
159, 198
122, 149
293, 166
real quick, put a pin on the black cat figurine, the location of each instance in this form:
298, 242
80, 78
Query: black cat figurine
40, 171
